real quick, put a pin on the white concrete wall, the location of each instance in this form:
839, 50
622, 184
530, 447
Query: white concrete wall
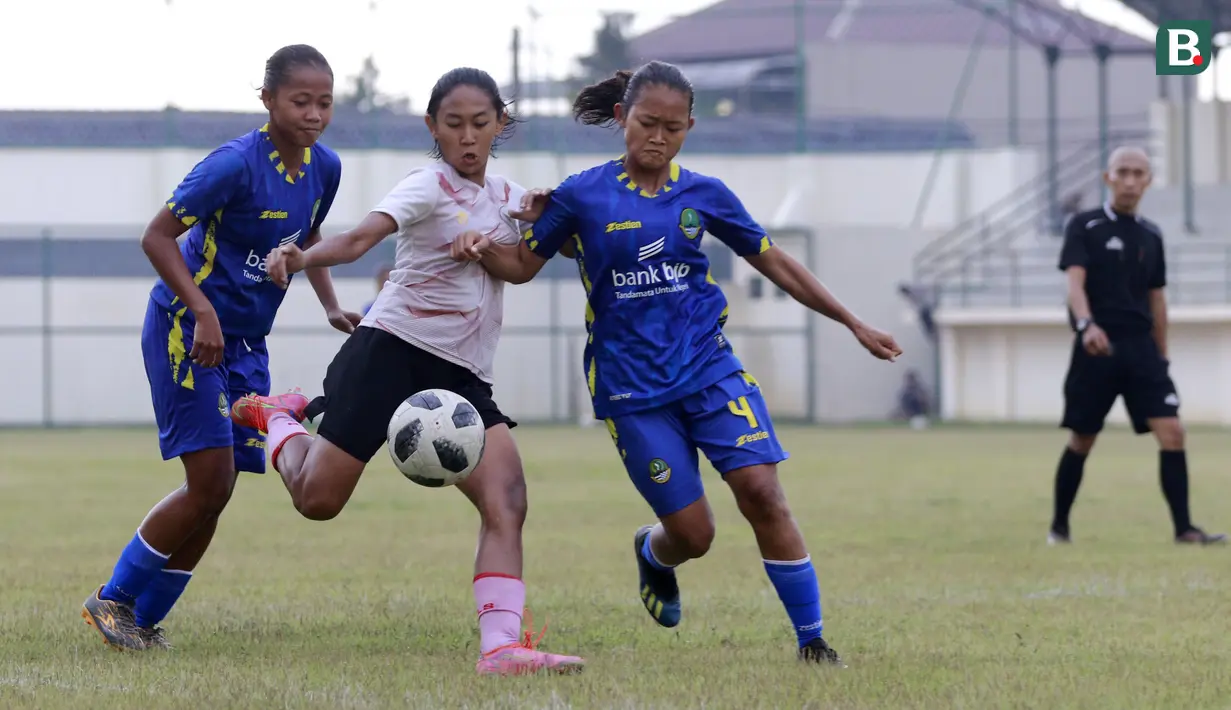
110, 188
1211, 140
1008, 365
87, 367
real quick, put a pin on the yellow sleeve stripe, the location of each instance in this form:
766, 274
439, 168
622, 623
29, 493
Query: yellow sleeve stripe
188, 220
765, 244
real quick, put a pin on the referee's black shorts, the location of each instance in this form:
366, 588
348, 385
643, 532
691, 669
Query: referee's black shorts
1135, 369
372, 374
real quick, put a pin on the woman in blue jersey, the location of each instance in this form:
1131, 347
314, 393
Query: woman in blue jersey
204, 335
660, 370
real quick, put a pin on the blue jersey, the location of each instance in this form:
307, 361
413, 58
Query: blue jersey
240, 203
654, 313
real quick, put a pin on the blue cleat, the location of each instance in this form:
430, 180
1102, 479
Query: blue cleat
659, 591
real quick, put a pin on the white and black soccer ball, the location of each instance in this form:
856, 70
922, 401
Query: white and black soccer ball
436, 438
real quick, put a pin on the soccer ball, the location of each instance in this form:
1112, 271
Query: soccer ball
436, 438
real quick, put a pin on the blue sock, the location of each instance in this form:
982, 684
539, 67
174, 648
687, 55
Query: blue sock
138, 565
648, 554
156, 601
800, 594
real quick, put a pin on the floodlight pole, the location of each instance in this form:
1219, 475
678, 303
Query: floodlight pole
1014, 109
1102, 52
1052, 54
801, 78
1186, 118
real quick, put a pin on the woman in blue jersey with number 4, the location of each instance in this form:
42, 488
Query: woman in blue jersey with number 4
204, 335
660, 370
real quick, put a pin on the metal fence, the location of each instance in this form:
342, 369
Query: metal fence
1198, 273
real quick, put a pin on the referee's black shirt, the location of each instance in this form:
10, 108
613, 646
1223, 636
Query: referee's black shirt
1124, 260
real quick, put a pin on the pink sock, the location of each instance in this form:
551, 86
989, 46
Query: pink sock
500, 599
282, 427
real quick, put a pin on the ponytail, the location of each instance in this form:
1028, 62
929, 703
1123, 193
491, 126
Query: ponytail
595, 105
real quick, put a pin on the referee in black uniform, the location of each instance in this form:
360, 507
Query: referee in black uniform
1116, 275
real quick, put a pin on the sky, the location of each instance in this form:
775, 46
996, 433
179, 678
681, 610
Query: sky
210, 54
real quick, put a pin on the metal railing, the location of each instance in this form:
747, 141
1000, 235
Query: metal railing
1198, 273
1025, 211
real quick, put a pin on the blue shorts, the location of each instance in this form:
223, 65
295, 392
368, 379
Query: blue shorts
192, 404
728, 421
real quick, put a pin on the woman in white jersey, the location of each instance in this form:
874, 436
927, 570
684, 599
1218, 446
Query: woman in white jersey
435, 324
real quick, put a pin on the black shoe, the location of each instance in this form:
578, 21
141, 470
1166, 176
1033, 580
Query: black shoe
818, 651
1056, 536
1197, 536
659, 591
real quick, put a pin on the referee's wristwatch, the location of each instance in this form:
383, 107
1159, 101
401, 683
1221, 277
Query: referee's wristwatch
1081, 325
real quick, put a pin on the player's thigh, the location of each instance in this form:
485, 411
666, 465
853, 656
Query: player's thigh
498, 478
248, 373
191, 403
1149, 392
730, 423
659, 457
371, 375
1090, 389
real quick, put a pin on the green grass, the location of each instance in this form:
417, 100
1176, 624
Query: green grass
939, 590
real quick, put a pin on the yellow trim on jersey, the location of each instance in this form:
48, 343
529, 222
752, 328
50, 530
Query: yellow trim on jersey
209, 252
276, 158
673, 177
188, 220
765, 244
176, 352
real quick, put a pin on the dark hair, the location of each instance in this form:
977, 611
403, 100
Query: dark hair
481, 80
280, 66
595, 105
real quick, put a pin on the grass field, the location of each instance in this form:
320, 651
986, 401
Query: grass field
938, 588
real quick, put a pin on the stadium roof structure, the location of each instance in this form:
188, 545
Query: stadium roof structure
1156, 11
761, 28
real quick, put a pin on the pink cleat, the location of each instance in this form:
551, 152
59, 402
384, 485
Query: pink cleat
522, 659
254, 410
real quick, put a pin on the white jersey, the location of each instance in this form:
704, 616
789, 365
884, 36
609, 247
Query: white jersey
448, 308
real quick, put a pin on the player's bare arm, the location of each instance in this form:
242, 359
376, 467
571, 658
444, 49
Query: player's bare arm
160, 247
1158, 309
793, 277
344, 248
1093, 337
513, 263
322, 284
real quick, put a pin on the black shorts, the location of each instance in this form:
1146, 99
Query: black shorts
372, 374
1135, 369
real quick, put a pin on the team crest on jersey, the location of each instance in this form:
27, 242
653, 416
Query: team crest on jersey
223, 406
690, 223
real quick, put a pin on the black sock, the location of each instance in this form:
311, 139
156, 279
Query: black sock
1173, 475
1068, 480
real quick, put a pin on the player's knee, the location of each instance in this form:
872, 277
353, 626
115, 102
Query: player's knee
1082, 443
762, 500
318, 506
695, 542
315, 499
691, 537
503, 508
1169, 432
210, 494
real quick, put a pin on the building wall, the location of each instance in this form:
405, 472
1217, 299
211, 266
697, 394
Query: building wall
69, 348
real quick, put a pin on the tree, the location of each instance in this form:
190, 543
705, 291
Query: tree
364, 96
611, 48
